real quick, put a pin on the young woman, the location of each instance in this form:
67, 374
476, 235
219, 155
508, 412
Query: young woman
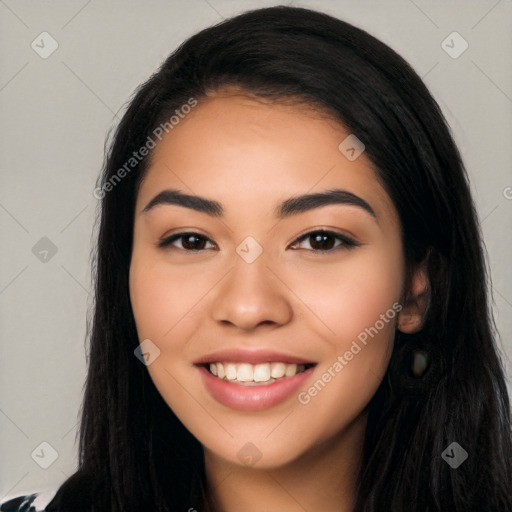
291, 303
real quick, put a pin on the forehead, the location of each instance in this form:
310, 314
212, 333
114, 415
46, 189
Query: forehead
250, 153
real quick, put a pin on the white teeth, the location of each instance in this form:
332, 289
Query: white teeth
230, 370
261, 372
251, 374
245, 372
277, 370
291, 370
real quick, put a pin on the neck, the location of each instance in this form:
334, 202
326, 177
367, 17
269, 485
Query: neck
323, 478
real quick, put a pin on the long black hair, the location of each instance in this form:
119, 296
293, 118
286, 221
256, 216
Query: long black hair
135, 455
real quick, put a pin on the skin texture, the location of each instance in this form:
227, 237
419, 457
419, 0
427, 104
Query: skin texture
250, 155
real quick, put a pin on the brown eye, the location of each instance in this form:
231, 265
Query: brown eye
190, 241
324, 241
319, 241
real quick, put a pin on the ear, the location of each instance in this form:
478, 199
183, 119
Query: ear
411, 317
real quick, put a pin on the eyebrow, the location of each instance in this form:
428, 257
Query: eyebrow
287, 208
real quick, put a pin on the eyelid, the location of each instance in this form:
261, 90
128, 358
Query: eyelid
324, 229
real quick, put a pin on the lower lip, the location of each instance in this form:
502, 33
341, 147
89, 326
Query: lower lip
252, 398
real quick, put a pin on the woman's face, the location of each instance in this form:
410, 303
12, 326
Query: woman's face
267, 338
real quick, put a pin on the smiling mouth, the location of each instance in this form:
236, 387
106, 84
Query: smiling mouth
248, 374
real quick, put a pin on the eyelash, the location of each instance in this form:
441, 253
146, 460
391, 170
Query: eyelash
347, 243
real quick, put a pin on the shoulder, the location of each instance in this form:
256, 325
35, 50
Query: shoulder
36, 502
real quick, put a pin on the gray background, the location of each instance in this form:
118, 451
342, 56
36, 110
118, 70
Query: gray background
56, 113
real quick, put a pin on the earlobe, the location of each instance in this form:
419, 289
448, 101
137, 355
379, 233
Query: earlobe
414, 307
409, 324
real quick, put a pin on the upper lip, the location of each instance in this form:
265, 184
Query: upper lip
253, 356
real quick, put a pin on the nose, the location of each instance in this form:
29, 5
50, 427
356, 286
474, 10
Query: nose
251, 295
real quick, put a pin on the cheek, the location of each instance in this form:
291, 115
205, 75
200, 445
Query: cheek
359, 303
164, 298
165, 307
346, 298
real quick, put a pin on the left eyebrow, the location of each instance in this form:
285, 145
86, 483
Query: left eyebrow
287, 208
307, 202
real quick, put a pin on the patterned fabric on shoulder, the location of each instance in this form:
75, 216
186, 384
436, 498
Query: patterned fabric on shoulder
36, 502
